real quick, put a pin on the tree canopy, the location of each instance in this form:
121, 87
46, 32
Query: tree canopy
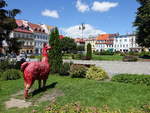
68, 44
89, 51
7, 22
142, 23
55, 54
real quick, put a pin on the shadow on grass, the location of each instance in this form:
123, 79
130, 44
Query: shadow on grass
37, 91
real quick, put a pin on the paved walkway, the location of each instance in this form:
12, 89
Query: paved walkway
118, 67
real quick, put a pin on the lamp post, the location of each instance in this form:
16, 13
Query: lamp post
82, 27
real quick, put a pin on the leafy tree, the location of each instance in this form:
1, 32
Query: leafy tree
69, 44
7, 22
14, 46
80, 48
89, 52
142, 23
55, 54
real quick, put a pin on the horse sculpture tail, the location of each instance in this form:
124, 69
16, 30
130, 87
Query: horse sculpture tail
24, 65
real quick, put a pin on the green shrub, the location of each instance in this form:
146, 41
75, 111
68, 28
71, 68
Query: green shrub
80, 56
73, 56
32, 56
11, 74
144, 54
106, 52
65, 68
132, 78
119, 53
96, 52
130, 58
96, 73
133, 53
1, 73
6, 64
77, 70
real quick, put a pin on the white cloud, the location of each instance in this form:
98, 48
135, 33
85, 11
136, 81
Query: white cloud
103, 6
50, 13
89, 31
81, 6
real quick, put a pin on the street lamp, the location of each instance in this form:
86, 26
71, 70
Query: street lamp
82, 27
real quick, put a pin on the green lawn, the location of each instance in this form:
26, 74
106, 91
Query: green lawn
106, 57
98, 57
87, 92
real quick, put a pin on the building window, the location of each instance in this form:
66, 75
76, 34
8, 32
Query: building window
27, 43
19, 35
14, 34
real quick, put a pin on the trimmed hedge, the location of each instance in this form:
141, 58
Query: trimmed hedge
96, 73
11, 74
130, 59
132, 78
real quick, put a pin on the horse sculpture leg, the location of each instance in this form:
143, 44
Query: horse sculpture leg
44, 83
27, 87
39, 81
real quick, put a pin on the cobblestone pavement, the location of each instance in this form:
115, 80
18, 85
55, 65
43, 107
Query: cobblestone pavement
118, 67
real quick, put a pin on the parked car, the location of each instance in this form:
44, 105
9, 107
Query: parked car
21, 57
2, 57
13, 57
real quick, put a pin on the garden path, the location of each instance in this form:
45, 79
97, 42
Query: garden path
118, 67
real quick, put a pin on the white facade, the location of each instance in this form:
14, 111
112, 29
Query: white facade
125, 43
39, 40
103, 45
27, 40
92, 41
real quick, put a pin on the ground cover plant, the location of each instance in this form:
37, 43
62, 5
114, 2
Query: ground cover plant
89, 93
77, 71
96, 73
132, 78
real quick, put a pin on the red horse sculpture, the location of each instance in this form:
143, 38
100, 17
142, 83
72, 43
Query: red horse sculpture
36, 71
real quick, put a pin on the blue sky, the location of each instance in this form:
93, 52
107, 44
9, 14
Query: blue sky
99, 16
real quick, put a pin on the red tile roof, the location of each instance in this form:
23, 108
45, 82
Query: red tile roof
90, 39
104, 43
61, 36
36, 28
106, 36
19, 22
23, 30
79, 40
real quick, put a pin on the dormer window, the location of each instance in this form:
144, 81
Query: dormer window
22, 27
27, 27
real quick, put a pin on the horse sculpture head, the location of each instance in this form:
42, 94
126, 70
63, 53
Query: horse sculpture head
44, 50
